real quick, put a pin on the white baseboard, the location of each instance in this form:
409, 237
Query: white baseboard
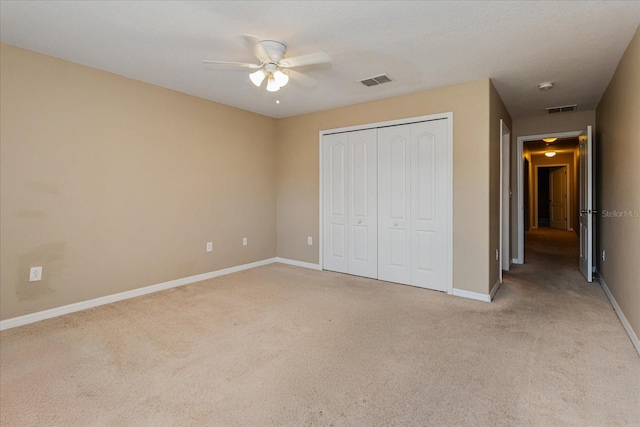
621, 316
471, 295
495, 289
79, 306
514, 261
299, 263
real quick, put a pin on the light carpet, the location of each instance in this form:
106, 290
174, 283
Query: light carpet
282, 345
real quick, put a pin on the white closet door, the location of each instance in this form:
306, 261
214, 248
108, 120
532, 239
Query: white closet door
335, 152
394, 207
429, 211
362, 195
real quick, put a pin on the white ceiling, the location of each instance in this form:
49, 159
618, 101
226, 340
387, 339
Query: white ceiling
421, 45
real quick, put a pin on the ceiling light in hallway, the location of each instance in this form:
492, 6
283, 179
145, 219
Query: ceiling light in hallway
550, 153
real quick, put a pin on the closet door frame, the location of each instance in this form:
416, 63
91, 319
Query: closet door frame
449, 183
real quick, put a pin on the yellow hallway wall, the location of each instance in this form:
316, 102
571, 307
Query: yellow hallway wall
561, 158
112, 184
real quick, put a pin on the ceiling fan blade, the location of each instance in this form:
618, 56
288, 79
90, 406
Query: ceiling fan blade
257, 49
311, 59
234, 64
298, 77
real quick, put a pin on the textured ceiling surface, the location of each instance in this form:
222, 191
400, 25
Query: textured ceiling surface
421, 45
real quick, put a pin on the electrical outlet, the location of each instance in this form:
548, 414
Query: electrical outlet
603, 254
310, 241
209, 246
497, 254
35, 274
244, 241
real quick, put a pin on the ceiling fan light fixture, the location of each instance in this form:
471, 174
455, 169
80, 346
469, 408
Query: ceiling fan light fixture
272, 85
550, 153
281, 78
549, 140
257, 77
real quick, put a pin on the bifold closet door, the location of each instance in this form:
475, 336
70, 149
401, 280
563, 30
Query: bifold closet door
350, 203
394, 204
362, 206
429, 207
413, 213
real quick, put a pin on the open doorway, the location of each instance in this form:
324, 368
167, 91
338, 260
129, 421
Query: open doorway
553, 196
548, 181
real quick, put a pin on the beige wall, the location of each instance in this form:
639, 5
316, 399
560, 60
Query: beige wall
111, 184
298, 175
497, 112
551, 123
618, 183
540, 125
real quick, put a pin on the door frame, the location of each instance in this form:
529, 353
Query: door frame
519, 259
449, 192
535, 191
505, 198
586, 185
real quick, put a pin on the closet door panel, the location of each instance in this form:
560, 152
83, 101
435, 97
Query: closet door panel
363, 203
394, 218
428, 204
335, 232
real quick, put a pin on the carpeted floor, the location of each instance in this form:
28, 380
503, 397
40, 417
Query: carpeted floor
281, 345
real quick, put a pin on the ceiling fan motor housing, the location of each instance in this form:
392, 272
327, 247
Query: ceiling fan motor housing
276, 50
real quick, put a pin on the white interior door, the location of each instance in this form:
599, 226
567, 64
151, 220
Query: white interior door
335, 233
586, 206
362, 194
394, 204
429, 213
558, 197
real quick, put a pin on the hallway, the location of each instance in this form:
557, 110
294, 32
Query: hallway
583, 357
557, 251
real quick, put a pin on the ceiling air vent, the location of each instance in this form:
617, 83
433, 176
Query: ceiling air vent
377, 80
561, 109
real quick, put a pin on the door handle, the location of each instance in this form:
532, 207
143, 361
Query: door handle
359, 221
395, 224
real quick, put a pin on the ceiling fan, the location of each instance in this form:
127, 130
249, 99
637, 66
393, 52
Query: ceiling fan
273, 66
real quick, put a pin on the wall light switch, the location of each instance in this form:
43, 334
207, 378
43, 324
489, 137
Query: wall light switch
603, 255
310, 241
497, 254
209, 246
35, 274
244, 241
